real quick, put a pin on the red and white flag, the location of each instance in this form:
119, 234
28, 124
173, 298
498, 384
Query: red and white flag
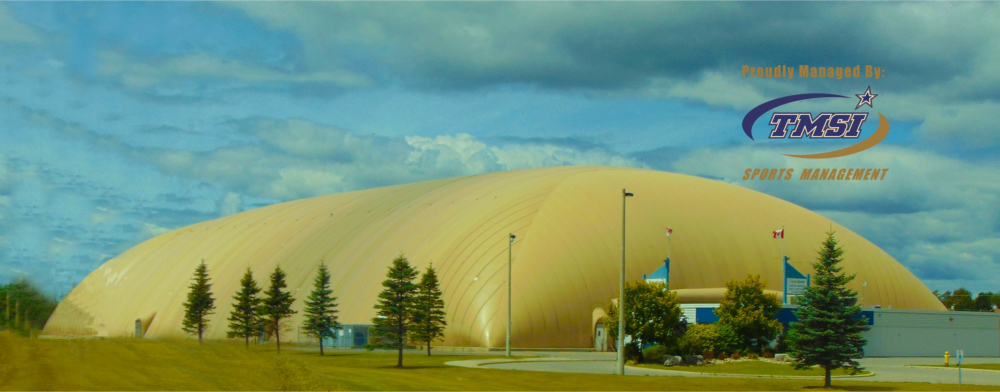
779, 233
669, 231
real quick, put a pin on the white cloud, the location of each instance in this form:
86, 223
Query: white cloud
11, 30
285, 167
231, 203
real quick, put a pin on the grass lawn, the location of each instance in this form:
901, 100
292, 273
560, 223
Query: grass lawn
120, 364
754, 367
981, 366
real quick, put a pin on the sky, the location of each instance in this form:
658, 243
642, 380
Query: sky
121, 121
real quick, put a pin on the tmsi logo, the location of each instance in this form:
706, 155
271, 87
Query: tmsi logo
827, 125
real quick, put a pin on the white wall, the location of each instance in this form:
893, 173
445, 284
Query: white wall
908, 333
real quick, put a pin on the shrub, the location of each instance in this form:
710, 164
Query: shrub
781, 346
705, 337
736, 355
708, 355
632, 352
654, 353
768, 354
753, 356
722, 357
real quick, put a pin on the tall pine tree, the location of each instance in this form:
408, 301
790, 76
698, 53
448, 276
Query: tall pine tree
245, 317
396, 304
199, 303
277, 304
321, 308
828, 330
428, 316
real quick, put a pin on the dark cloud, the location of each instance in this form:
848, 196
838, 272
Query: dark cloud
623, 45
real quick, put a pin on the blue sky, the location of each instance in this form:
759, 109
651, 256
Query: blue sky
122, 121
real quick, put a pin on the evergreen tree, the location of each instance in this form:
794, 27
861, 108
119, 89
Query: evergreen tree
199, 303
828, 330
395, 305
428, 317
277, 305
245, 317
321, 308
749, 313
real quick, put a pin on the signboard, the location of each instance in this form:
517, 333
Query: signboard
797, 286
795, 281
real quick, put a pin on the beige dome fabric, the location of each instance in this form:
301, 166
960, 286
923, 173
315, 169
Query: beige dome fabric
568, 222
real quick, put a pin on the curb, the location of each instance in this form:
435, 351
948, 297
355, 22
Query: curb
479, 363
738, 375
950, 368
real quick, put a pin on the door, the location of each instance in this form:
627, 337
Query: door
600, 338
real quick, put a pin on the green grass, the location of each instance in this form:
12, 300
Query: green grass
128, 365
751, 367
980, 366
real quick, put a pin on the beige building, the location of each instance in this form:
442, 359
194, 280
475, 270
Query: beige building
568, 222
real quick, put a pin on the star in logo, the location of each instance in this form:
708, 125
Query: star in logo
866, 98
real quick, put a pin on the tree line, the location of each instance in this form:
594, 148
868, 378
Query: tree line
827, 333
962, 300
23, 307
405, 309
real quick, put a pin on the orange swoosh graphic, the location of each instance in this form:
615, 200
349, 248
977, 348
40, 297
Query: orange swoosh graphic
875, 138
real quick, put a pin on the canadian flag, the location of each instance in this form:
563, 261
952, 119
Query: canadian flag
669, 231
779, 233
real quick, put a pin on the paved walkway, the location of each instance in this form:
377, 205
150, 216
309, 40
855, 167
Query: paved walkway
884, 369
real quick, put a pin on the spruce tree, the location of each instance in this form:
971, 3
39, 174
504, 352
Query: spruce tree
321, 308
428, 316
277, 304
828, 330
199, 303
245, 317
396, 304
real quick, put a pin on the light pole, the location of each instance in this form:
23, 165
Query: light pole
510, 260
621, 296
863, 285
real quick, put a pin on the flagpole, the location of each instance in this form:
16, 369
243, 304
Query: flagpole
784, 274
666, 265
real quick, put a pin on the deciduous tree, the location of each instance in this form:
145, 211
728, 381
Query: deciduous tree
749, 313
652, 314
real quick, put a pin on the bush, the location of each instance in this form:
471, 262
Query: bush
654, 354
768, 354
736, 355
708, 355
632, 352
706, 337
781, 346
722, 357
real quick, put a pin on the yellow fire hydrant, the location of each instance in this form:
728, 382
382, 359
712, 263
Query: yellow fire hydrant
946, 356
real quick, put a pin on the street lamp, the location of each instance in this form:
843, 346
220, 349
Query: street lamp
863, 285
510, 259
621, 295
